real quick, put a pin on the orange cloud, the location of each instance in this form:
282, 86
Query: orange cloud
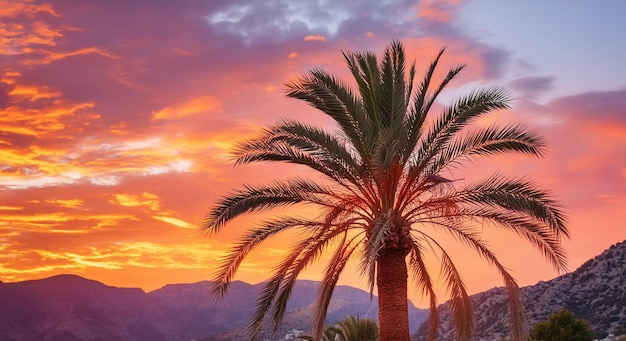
39, 262
9, 76
12, 8
41, 121
11, 208
33, 93
49, 57
194, 106
60, 217
145, 199
69, 203
21, 37
120, 129
314, 37
176, 222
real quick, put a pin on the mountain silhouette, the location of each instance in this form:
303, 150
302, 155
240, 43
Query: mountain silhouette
69, 307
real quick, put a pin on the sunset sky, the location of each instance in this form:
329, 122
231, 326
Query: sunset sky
117, 119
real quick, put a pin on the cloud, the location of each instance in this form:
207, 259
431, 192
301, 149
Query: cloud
47, 57
23, 37
599, 107
198, 105
33, 93
12, 9
176, 222
145, 199
587, 138
438, 11
532, 86
314, 38
108, 256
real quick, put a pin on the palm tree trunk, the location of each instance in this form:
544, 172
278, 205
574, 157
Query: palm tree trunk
393, 313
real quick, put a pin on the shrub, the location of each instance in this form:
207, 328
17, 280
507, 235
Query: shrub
562, 326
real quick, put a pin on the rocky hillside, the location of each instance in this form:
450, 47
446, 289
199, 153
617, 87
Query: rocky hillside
595, 292
73, 308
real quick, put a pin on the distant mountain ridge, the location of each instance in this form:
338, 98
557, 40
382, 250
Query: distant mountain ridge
596, 292
72, 308
69, 307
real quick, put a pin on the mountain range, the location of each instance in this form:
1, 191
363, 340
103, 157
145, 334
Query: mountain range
72, 308
595, 292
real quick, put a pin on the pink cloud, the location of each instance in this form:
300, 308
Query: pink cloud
438, 11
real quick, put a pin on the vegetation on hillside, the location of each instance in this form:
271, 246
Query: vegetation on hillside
562, 326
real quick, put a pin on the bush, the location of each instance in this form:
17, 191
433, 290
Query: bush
562, 326
350, 329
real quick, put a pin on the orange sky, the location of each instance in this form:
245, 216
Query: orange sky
117, 118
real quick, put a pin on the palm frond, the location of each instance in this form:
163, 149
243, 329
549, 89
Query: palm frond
432, 97
236, 254
518, 195
421, 278
318, 142
335, 99
277, 151
393, 86
422, 90
253, 199
263, 304
307, 253
487, 141
329, 281
277, 290
417, 115
538, 234
456, 117
377, 233
386, 150
364, 69
460, 304
472, 240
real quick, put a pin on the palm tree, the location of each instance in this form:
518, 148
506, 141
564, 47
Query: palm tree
357, 329
386, 192
350, 329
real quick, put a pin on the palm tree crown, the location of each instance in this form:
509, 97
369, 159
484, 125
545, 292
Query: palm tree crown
386, 194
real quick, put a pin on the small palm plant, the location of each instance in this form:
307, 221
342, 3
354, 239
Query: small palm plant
386, 193
350, 329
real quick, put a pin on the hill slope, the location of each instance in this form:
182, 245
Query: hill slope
595, 292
